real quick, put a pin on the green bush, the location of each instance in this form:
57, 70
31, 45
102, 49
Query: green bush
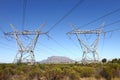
71, 74
106, 73
59, 71
87, 72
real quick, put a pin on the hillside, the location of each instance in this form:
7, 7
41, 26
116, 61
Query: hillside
57, 60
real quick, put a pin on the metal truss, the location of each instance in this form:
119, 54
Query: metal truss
88, 49
25, 54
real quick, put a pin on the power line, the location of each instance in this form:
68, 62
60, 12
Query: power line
112, 30
112, 23
3, 45
99, 18
60, 45
80, 2
49, 48
24, 12
115, 22
52, 49
74, 42
43, 45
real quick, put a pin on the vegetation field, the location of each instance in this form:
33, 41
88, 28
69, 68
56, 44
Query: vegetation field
93, 71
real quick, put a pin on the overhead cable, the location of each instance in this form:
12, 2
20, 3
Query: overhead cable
69, 12
24, 13
110, 13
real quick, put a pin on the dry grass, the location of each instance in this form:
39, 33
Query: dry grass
91, 78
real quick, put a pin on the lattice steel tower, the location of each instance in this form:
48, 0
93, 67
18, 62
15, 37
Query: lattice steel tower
88, 49
25, 54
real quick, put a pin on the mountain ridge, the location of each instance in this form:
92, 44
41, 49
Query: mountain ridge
57, 60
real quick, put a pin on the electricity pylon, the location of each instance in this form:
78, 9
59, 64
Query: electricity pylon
25, 54
88, 49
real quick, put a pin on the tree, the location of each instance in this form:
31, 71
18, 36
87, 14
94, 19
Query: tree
104, 60
115, 60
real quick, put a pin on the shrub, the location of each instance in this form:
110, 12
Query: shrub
87, 72
71, 74
106, 73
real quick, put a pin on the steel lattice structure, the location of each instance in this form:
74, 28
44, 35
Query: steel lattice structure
88, 49
25, 54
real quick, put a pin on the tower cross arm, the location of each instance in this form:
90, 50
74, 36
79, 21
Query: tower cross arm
25, 32
85, 32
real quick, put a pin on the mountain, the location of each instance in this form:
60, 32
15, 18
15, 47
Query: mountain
57, 60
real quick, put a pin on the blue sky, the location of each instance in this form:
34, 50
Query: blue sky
50, 12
